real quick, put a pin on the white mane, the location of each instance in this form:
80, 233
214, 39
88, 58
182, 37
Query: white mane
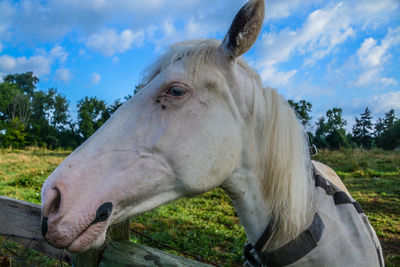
286, 172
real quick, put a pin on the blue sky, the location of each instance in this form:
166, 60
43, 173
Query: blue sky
331, 53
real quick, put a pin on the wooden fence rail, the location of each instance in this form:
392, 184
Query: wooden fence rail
20, 218
20, 221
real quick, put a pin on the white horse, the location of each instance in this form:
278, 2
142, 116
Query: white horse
202, 120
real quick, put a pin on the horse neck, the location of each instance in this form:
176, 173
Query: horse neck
272, 182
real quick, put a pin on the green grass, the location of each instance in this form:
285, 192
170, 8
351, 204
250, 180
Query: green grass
373, 179
22, 172
207, 225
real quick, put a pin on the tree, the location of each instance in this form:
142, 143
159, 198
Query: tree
14, 103
362, 130
26, 82
321, 133
379, 128
335, 119
49, 118
34, 117
7, 94
387, 131
117, 103
16, 93
389, 119
40, 131
92, 113
20, 88
60, 117
21, 108
302, 109
390, 139
15, 135
330, 132
383, 124
112, 108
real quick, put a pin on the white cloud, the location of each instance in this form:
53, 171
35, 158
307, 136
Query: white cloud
63, 75
108, 42
276, 78
370, 54
385, 102
372, 57
115, 60
278, 9
95, 78
53, 19
367, 77
40, 64
33, 21
281, 9
172, 31
59, 53
372, 13
322, 31
7, 12
7, 63
389, 81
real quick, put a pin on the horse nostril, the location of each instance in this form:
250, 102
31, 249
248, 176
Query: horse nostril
55, 204
50, 208
44, 226
103, 212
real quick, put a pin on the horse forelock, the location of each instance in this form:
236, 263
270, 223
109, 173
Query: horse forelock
193, 52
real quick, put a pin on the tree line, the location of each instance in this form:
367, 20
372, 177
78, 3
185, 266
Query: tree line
30, 117
330, 129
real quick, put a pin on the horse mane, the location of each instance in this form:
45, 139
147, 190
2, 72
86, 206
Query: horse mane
287, 170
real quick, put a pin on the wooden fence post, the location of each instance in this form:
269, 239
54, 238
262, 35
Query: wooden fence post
92, 257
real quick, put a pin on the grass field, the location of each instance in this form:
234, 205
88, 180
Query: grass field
207, 225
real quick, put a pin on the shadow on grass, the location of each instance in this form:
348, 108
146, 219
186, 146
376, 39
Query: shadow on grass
391, 251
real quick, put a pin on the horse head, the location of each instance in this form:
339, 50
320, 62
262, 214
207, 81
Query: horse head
182, 134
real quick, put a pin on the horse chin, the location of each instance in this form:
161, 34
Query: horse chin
92, 237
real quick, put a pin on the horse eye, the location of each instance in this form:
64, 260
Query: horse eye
176, 91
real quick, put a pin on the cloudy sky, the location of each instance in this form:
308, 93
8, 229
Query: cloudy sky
331, 53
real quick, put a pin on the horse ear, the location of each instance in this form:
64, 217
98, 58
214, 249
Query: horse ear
245, 28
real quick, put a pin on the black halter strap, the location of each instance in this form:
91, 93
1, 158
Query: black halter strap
289, 253
304, 242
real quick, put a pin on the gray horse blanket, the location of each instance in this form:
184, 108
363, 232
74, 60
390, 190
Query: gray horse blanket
340, 235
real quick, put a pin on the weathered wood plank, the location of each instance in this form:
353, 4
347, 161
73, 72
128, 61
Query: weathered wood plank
22, 218
125, 253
